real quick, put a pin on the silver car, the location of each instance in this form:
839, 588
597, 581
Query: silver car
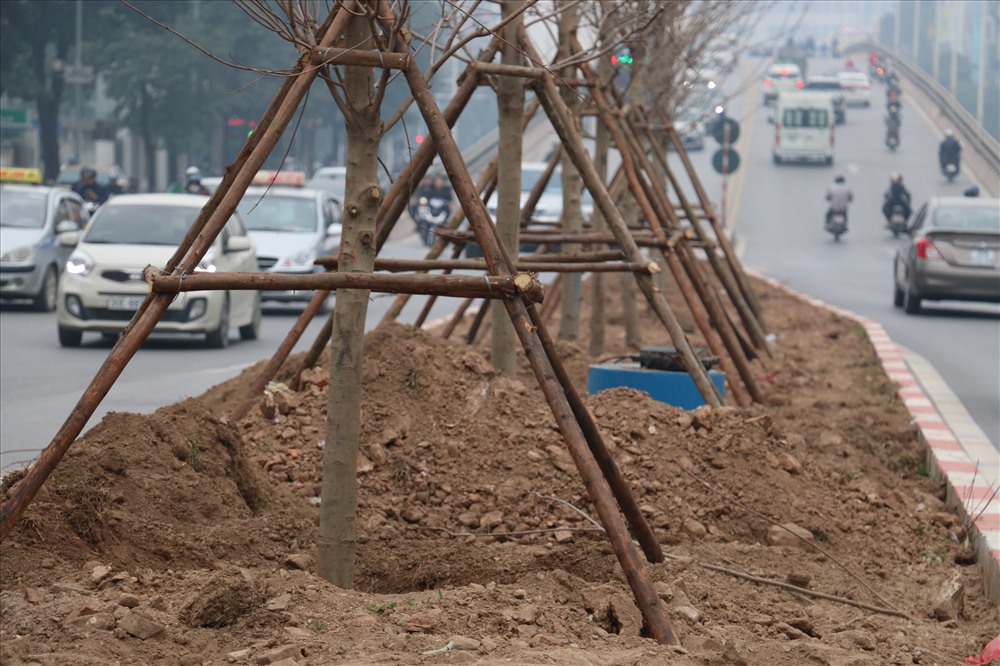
292, 227
952, 253
31, 260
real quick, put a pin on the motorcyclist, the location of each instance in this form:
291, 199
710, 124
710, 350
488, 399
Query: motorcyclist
950, 149
439, 189
89, 189
839, 196
972, 191
897, 195
192, 182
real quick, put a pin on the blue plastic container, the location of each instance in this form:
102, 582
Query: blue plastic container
673, 388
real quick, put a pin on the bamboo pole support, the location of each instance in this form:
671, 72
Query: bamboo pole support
500, 264
557, 113
456, 318
462, 286
207, 225
727, 248
719, 334
424, 265
643, 533
337, 56
477, 322
308, 361
729, 281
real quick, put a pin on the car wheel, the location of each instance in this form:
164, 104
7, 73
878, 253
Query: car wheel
829, 161
911, 302
219, 338
45, 301
69, 337
252, 330
897, 294
777, 160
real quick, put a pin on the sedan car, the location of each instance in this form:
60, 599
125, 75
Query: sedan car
31, 260
781, 78
103, 284
857, 88
292, 227
331, 179
952, 253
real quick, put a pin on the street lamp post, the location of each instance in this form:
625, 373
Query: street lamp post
79, 89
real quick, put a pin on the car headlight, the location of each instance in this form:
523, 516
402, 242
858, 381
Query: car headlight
301, 259
79, 263
20, 255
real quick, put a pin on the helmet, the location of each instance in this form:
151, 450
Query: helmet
193, 173
87, 172
972, 191
839, 179
896, 177
949, 132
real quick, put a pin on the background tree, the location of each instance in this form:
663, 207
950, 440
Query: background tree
37, 41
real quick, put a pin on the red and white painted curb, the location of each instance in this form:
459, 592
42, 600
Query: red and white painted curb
968, 465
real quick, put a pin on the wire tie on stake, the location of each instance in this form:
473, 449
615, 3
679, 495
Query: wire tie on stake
489, 287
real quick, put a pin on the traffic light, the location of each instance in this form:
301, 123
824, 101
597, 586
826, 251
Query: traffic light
623, 57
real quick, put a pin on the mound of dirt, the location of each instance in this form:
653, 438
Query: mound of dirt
182, 538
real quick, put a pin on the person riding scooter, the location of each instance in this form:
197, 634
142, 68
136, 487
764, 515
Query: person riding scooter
193, 184
839, 196
897, 198
949, 152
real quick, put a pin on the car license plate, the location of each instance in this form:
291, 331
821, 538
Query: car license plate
983, 257
124, 302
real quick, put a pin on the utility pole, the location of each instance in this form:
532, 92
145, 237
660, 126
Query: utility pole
897, 25
916, 32
983, 55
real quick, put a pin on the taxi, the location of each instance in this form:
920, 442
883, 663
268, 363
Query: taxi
31, 218
292, 225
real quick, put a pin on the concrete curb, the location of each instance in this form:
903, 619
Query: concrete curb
949, 455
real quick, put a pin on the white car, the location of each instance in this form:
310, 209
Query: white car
781, 78
102, 285
856, 87
292, 227
331, 179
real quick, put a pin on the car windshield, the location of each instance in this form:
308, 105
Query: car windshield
805, 118
22, 209
966, 217
72, 176
140, 225
823, 85
273, 212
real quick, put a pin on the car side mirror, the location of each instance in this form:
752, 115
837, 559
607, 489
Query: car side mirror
66, 225
334, 229
238, 244
69, 238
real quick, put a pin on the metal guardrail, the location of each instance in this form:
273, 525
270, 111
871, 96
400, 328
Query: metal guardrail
970, 128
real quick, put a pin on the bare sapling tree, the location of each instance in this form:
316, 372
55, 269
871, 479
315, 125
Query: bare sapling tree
572, 217
359, 99
510, 104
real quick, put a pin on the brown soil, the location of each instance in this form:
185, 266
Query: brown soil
182, 538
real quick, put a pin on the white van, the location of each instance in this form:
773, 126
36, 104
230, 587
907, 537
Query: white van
803, 128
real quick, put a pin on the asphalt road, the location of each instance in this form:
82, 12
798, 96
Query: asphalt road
778, 225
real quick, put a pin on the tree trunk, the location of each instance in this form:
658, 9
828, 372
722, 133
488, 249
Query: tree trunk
630, 313
148, 141
572, 218
597, 295
510, 104
48, 101
338, 508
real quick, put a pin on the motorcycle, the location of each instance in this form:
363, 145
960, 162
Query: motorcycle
892, 138
428, 214
897, 220
836, 223
950, 169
